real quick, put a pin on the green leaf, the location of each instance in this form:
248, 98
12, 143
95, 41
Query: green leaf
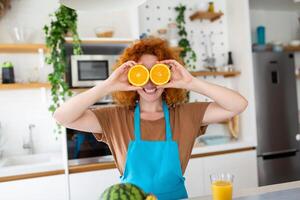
52, 108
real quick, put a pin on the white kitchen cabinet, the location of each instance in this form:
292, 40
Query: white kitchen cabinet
41, 188
242, 165
194, 176
90, 185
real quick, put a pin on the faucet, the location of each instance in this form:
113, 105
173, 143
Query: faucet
29, 145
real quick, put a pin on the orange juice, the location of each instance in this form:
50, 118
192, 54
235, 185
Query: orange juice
222, 190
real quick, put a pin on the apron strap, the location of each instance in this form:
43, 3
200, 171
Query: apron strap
137, 122
167, 121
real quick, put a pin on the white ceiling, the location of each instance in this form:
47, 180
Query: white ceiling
284, 5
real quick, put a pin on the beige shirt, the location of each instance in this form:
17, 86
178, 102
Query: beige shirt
117, 125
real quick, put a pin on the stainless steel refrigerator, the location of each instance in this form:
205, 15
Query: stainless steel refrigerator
278, 155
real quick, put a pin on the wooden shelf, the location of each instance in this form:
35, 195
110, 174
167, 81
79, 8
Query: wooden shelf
34, 48
292, 48
95, 40
111, 41
21, 48
269, 47
212, 16
17, 86
217, 73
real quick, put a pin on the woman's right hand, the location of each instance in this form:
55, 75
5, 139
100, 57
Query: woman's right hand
118, 80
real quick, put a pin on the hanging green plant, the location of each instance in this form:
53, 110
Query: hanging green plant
187, 54
63, 22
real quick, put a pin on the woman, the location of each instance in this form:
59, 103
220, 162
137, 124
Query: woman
152, 131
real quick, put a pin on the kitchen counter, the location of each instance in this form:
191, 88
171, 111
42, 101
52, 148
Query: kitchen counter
30, 166
283, 191
204, 149
91, 164
37, 165
198, 151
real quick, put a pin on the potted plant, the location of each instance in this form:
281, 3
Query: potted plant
63, 22
187, 54
8, 72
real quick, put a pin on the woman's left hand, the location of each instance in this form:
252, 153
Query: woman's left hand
180, 77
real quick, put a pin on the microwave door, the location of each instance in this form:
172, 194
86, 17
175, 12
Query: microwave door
88, 70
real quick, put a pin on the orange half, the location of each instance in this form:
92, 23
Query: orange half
160, 74
138, 75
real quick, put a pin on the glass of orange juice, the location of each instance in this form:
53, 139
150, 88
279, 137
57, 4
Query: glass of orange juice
221, 184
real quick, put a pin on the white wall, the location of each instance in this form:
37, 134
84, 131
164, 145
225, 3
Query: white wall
19, 108
35, 14
280, 26
239, 37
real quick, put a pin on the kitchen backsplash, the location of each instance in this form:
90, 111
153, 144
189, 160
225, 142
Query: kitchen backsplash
18, 110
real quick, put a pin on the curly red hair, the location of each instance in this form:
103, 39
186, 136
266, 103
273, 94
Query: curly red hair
159, 48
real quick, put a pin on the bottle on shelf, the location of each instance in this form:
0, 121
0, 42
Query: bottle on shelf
211, 7
173, 34
229, 66
8, 72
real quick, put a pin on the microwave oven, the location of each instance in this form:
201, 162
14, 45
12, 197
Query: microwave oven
88, 70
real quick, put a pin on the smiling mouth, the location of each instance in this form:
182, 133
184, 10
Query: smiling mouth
150, 91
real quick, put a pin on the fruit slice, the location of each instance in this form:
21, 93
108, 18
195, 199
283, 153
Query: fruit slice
160, 74
138, 75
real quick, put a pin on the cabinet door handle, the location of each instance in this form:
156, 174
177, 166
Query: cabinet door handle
279, 154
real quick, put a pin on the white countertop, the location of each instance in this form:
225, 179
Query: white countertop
259, 190
222, 147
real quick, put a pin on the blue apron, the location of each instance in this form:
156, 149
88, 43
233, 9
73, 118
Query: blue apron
154, 166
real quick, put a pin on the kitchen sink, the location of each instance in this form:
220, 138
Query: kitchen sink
26, 160
23, 164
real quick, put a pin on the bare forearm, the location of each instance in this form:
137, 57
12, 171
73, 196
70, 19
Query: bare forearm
75, 106
225, 97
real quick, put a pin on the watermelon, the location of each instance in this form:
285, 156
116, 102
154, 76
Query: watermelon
125, 191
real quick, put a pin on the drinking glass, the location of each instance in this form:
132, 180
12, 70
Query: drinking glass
221, 185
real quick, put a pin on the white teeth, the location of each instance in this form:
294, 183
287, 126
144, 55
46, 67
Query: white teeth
150, 90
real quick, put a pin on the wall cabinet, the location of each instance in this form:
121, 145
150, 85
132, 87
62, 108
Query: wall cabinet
45, 188
90, 185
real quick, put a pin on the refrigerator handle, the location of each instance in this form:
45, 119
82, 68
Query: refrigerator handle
279, 154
